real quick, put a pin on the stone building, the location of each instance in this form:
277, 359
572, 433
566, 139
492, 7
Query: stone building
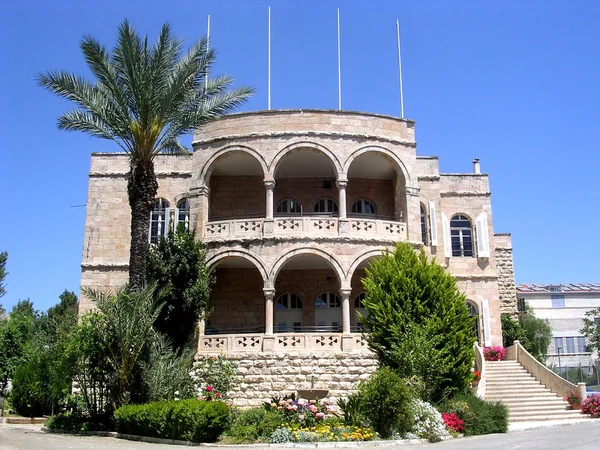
564, 306
293, 206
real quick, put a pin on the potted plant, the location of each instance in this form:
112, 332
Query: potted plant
494, 353
476, 376
574, 400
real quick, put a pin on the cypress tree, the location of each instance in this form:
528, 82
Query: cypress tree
418, 321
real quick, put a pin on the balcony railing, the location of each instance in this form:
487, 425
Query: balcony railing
306, 226
282, 342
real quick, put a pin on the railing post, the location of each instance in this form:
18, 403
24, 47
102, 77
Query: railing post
342, 216
346, 336
268, 223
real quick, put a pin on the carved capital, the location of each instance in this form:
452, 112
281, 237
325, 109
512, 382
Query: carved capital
341, 184
270, 184
269, 293
199, 191
345, 293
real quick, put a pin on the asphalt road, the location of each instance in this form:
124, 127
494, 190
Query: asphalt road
584, 436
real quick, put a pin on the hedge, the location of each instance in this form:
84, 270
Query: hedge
187, 420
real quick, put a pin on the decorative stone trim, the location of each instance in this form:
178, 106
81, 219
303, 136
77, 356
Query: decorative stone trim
124, 174
311, 134
464, 194
105, 266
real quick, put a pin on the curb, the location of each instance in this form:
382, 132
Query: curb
155, 440
23, 420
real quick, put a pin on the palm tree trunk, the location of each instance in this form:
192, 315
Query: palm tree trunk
141, 188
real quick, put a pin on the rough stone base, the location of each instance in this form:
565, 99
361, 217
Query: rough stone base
263, 376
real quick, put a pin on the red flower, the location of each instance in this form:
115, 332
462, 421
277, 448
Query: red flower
208, 388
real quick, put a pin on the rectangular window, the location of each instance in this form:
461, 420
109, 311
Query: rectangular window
558, 343
521, 305
581, 347
297, 326
558, 301
570, 345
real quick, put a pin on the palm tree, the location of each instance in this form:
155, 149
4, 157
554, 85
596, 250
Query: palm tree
144, 99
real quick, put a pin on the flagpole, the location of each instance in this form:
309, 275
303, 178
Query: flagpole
269, 64
207, 49
339, 62
400, 69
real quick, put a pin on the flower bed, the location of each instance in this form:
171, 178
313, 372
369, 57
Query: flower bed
494, 353
591, 405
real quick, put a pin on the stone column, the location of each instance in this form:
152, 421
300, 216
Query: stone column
269, 294
346, 336
268, 338
270, 186
199, 209
343, 219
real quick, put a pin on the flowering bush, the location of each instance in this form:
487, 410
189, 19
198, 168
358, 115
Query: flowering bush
476, 375
300, 412
217, 372
453, 423
321, 433
429, 423
591, 405
494, 353
209, 394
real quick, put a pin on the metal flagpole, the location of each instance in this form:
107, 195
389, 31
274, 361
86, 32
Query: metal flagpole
339, 63
400, 69
269, 64
207, 48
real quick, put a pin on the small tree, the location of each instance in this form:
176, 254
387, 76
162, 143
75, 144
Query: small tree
537, 333
418, 321
591, 330
178, 264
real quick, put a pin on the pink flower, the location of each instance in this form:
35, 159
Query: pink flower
209, 388
313, 408
319, 415
312, 402
295, 407
218, 395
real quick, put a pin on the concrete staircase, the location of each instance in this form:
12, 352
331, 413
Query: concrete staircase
527, 399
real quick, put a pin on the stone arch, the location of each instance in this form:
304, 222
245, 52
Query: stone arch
397, 162
335, 265
360, 259
306, 144
207, 169
214, 260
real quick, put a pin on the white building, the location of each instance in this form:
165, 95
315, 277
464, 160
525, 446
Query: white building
564, 305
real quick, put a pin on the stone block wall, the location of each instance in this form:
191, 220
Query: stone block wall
262, 376
506, 274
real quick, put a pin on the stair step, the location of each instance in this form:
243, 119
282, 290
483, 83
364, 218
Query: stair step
534, 409
541, 402
549, 414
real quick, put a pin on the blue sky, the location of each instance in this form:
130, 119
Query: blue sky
516, 84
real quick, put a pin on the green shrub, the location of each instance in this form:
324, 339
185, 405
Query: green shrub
428, 421
479, 416
188, 420
382, 402
254, 424
216, 371
27, 395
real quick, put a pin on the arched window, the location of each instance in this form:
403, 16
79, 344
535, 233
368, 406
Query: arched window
328, 312
363, 206
289, 206
424, 224
288, 313
159, 220
326, 205
461, 235
475, 313
183, 213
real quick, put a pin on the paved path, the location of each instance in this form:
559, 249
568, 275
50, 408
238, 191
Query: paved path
580, 436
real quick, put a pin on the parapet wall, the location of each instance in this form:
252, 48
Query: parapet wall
263, 376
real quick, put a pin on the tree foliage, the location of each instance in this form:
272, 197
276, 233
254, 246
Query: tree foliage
591, 330
15, 334
144, 99
178, 264
533, 333
418, 321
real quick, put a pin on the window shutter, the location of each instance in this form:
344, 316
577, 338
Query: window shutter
433, 224
483, 240
176, 220
485, 311
447, 239
165, 230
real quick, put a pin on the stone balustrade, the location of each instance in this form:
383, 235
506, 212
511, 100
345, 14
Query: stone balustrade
305, 226
282, 342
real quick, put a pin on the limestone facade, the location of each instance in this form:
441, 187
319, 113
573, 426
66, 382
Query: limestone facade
293, 205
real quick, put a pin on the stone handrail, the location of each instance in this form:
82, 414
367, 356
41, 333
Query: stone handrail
282, 342
311, 225
551, 380
480, 366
